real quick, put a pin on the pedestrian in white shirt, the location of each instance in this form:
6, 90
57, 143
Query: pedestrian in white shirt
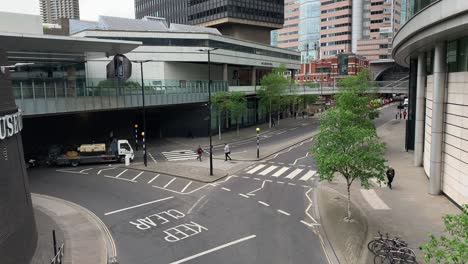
227, 151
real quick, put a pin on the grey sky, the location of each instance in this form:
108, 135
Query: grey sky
89, 9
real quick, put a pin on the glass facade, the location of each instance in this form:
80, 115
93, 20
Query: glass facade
309, 29
412, 7
195, 12
457, 55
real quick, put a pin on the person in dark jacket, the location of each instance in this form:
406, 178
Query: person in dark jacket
390, 176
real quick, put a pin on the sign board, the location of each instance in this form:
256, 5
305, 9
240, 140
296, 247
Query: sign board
386, 30
10, 125
120, 67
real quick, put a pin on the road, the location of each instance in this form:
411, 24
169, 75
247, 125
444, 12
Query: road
261, 214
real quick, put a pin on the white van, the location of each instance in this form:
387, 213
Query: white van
405, 102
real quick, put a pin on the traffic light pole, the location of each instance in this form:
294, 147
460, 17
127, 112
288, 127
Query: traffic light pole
145, 157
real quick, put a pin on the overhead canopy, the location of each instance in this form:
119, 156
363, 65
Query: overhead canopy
14, 42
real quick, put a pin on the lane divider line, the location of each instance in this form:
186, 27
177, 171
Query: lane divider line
283, 212
265, 204
138, 205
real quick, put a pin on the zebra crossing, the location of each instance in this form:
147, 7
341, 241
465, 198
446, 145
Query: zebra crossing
180, 155
290, 173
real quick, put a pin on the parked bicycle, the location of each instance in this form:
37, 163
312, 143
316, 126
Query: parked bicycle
391, 250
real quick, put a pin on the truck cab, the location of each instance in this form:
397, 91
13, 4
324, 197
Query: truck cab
124, 148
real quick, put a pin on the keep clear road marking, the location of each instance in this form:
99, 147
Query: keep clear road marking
213, 249
259, 167
308, 175
139, 205
268, 170
281, 171
374, 200
294, 173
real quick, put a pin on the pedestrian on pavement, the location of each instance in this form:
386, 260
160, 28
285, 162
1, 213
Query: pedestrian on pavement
227, 151
273, 122
404, 114
390, 176
400, 114
397, 114
199, 152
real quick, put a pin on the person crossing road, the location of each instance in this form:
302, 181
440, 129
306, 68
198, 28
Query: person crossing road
227, 151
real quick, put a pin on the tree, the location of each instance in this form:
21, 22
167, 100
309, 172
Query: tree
453, 247
273, 86
237, 104
347, 143
219, 101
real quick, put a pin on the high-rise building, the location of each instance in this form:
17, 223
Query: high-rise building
381, 21
244, 19
309, 29
336, 30
52, 10
288, 36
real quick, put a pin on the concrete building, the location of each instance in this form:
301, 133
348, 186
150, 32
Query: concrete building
382, 21
242, 19
52, 10
288, 36
336, 25
434, 44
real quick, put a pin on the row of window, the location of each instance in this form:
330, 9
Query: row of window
332, 2
334, 43
336, 34
336, 17
336, 9
289, 33
336, 26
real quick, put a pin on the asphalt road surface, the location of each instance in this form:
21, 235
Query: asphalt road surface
261, 214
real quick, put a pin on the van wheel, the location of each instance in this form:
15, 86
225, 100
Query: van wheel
122, 159
75, 163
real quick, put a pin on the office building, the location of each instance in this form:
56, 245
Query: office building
433, 43
242, 19
377, 34
288, 36
336, 19
309, 29
52, 10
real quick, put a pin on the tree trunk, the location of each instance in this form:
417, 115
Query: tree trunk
219, 125
270, 115
348, 218
227, 119
278, 117
237, 127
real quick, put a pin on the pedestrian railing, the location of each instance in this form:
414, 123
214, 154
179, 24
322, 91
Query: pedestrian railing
58, 258
391, 250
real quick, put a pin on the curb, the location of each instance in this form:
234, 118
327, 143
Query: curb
107, 236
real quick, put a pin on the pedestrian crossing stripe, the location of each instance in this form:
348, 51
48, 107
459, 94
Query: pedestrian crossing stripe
179, 155
277, 171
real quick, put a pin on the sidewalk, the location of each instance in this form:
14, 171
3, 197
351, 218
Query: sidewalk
244, 133
86, 238
407, 211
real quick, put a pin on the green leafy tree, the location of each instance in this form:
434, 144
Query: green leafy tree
237, 105
273, 86
220, 102
451, 247
347, 143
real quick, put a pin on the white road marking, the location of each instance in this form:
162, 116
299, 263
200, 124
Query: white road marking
85, 170
213, 249
165, 186
307, 154
294, 173
74, 172
99, 172
308, 207
293, 184
305, 186
120, 174
308, 175
152, 157
179, 155
279, 133
280, 182
281, 163
245, 177
261, 187
195, 204
192, 191
257, 179
265, 204
283, 212
226, 189
374, 200
280, 171
136, 177
139, 205
154, 178
115, 178
243, 195
186, 186
268, 170
259, 167
294, 128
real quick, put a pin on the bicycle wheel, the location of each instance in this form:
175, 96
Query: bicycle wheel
378, 246
407, 255
382, 259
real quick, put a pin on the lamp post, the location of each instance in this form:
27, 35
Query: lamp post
143, 134
209, 50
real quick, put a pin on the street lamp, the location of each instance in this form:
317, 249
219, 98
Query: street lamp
258, 142
209, 50
145, 155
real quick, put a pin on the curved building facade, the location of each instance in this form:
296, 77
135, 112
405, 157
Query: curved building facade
434, 44
309, 29
18, 234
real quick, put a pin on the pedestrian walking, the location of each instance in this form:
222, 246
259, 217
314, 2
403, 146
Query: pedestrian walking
273, 122
200, 153
404, 114
396, 115
227, 151
400, 115
390, 176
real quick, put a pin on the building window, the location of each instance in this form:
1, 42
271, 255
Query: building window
457, 55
